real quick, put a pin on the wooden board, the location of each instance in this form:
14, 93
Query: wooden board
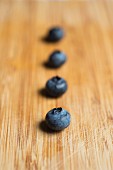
88, 142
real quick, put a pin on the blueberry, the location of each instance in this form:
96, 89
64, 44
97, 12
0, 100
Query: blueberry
57, 58
58, 119
56, 86
55, 34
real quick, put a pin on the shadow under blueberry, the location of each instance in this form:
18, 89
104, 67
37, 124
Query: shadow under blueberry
47, 65
43, 92
46, 39
43, 127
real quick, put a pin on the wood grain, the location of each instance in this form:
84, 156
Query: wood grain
88, 142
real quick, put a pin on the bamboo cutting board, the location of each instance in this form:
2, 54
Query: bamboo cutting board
87, 144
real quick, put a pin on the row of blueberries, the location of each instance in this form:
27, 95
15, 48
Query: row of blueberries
57, 118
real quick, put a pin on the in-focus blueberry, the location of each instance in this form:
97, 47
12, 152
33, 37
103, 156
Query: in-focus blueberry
56, 59
56, 86
55, 34
58, 119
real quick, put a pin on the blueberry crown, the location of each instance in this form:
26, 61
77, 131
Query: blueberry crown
56, 110
55, 79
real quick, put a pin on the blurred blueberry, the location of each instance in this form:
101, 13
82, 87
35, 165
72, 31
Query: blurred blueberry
55, 34
56, 59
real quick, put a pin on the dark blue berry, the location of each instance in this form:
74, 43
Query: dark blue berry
58, 119
56, 86
55, 34
57, 58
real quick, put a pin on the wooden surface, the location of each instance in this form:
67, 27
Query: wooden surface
88, 142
